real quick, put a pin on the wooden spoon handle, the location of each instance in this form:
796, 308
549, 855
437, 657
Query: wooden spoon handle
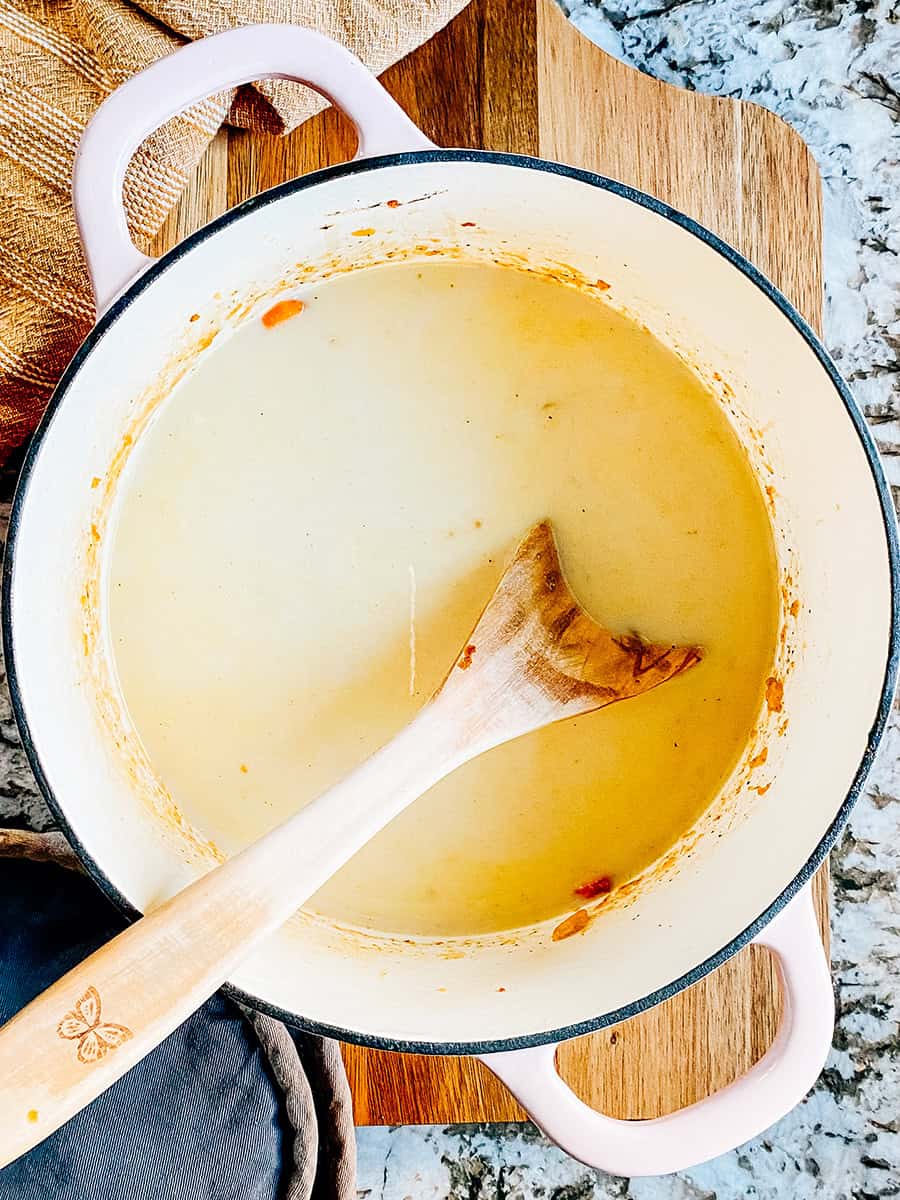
83, 1033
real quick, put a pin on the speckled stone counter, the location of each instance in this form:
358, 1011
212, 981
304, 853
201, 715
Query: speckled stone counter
832, 69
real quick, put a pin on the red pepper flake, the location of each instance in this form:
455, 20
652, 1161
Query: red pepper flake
501, 989
602, 285
595, 887
774, 694
466, 661
393, 203
577, 923
282, 311
363, 232
468, 224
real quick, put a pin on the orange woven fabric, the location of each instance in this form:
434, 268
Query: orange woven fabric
58, 60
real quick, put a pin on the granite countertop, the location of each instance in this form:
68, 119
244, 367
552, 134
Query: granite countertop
832, 69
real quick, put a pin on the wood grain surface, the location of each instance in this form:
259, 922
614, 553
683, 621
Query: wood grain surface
514, 75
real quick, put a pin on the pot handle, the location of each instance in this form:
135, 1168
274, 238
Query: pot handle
199, 69
728, 1118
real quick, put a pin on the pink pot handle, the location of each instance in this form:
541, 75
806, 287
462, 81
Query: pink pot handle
174, 83
768, 1091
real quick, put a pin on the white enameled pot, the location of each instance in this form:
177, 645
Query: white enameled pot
834, 532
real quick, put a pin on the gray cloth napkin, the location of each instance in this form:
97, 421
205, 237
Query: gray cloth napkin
229, 1107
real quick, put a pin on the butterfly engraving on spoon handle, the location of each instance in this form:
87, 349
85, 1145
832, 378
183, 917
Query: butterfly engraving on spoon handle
95, 1037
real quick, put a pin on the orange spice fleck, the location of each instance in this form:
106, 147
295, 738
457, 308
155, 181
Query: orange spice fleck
95, 482
244, 768
501, 989
32, 1115
795, 608
717, 377
477, 524
761, 790
602, 285
468, 224
774, 694
95, 534
194, 317
595, 887
466, 660
771, 493
282, 311
363, 232
783, 727
576, 923
759, 759
393, 203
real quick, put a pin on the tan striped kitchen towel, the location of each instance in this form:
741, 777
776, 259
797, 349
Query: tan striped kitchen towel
58, 60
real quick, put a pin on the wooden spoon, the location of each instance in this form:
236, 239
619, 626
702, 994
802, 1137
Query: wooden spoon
534, 657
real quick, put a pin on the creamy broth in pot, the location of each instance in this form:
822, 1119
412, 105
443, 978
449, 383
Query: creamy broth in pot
313, 521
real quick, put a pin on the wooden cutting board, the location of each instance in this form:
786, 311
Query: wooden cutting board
514, 75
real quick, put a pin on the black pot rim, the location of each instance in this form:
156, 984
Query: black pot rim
857, 421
